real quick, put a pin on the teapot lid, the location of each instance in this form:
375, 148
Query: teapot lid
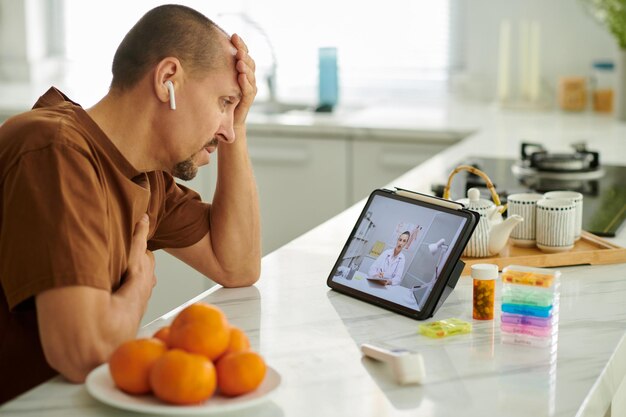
473, 200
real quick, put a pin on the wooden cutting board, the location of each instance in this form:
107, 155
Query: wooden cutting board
589, 250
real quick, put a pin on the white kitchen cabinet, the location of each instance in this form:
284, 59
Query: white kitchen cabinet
176, 283
304, 180
376, 163
301, 181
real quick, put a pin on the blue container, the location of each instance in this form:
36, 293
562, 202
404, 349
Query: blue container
527, 310
328, 78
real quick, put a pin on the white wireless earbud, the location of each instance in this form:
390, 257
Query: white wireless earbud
170, 88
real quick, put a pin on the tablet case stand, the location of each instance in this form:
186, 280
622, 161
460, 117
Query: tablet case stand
452, 280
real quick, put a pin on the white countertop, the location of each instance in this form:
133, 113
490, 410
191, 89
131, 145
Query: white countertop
442, 122
311, 335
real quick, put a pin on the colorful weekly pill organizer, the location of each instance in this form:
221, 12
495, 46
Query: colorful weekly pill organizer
527, 295
530, 306
524, 275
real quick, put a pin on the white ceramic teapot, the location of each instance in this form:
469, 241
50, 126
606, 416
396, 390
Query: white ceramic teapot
492, 232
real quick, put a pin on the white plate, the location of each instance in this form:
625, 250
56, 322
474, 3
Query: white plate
100, 385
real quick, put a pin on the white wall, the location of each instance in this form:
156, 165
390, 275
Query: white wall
571, 40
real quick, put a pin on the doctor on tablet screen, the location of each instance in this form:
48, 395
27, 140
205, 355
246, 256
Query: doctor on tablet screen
390, 264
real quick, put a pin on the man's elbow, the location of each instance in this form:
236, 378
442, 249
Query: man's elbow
75, 366
241, 281
241, 278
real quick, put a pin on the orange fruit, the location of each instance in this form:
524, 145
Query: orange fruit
131, 362
238, 341
202, 329
179, 377
163, 334
240, 372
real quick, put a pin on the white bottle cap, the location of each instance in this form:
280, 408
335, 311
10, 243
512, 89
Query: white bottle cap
485, 271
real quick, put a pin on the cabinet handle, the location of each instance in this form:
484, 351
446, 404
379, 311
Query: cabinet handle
396, 160
280, 155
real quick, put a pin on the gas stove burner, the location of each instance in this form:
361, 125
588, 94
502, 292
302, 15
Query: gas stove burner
542, 185
521, 171
536, 161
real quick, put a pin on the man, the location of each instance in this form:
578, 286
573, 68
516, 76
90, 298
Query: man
389, 266
86, 195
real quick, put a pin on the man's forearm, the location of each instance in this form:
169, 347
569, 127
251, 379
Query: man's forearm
235, 222
81, 326
128, 305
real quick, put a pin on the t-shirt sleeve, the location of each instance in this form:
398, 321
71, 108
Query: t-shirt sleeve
184, 218
54, 227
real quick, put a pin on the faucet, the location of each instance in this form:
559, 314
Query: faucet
270, 77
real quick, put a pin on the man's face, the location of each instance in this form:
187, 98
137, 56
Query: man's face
206, 107
402, 240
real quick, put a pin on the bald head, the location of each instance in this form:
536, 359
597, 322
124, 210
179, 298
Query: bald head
168, 31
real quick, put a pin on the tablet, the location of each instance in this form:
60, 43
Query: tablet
404, 251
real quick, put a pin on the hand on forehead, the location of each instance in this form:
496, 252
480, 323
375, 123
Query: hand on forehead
238, 43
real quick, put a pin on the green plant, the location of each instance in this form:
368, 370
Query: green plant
611, 14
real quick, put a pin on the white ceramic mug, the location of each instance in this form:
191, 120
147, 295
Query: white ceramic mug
524, 204
577, 198
556, 224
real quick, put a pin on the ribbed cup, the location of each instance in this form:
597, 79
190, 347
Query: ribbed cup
524, 204
577, 199
555, 224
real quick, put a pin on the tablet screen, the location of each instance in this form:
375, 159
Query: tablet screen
398, 250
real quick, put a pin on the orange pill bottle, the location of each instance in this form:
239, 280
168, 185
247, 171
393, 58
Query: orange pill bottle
484, 290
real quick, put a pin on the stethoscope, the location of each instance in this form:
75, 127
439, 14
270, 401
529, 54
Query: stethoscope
397, 263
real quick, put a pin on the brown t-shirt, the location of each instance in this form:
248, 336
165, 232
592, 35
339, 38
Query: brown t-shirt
69, 203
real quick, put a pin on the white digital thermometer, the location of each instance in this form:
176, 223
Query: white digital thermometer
407, 367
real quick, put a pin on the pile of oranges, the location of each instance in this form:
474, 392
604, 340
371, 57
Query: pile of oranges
186, 362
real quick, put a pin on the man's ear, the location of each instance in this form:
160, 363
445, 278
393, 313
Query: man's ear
167, 80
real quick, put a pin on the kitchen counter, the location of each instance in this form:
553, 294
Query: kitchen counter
487, 129
311, 335
445, 122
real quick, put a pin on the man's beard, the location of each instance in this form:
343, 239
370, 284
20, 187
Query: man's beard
185, 170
